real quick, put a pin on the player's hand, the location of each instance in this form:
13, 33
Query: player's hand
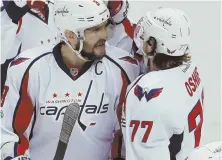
72, 38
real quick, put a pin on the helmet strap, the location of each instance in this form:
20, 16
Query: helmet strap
77, 52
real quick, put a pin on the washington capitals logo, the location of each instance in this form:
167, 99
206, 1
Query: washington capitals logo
153, 93
18, 61
171, 52
129, 59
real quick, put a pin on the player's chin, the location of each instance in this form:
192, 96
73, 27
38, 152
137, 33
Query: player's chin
100, 51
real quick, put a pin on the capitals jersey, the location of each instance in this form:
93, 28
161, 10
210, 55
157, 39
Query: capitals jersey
163, 114
37, 28
37, 91
8, 33
123, 35
34, 28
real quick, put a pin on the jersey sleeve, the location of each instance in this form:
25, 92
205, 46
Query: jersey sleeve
129, 72
120, 99
126, 70
18, 108
16, 9
8, 35
125, 44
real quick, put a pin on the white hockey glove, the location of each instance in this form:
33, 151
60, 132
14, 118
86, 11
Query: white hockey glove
118, 9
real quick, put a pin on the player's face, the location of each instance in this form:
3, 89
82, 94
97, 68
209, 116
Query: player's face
95, 39
148, 54
148, 47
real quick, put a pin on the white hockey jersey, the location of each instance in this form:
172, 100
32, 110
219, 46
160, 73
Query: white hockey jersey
163, 116
34, 29
38, 89
123, 35
8, 33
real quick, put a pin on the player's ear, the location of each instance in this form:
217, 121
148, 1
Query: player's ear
69, 34
71, 37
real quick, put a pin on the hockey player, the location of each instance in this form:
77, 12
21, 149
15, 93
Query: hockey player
123, 31
41, 82
163, 114
26, 24
35, 20
8, 33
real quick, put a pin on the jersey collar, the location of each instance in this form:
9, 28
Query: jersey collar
61, 64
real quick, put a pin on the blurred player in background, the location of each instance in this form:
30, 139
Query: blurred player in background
163, 114
123, 31
26, 24
41, 82
8, 32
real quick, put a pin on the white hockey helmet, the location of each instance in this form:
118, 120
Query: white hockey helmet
170, 28
77, 16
